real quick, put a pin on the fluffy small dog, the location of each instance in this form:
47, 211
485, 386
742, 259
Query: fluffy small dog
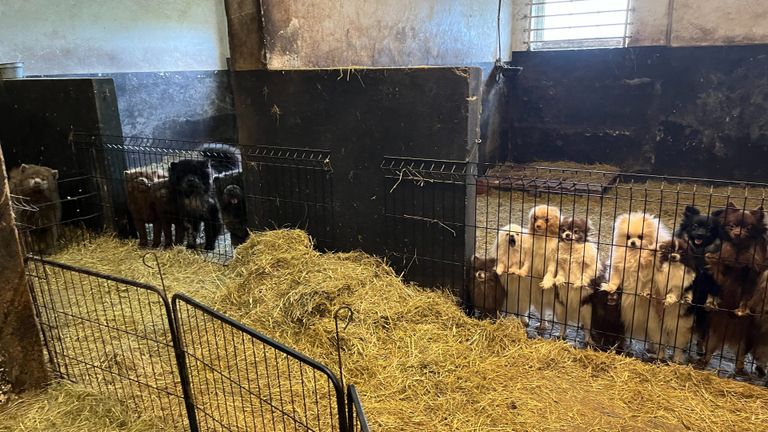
635, 239
190, 189
674, 275
138, 185
699, 231
38, 184
544, 228
231, 199
739, 254
487, 294
737, 261
577, 265
607, 331
513, 254
166, 214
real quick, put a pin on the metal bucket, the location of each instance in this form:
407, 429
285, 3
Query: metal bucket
11, 70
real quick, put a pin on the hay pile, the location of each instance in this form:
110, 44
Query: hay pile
421, 364
66, 407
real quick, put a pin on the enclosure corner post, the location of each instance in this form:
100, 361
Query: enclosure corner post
20, 341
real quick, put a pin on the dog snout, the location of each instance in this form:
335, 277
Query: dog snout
568, 236
512, 240
480, 276
634, 243
540, 226
675, 257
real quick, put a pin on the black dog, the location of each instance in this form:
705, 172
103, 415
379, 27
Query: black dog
191, 195
699, 231
607, 328
229, 193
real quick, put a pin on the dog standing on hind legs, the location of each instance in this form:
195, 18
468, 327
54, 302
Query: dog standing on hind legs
675, 273
513, 252
544, 229
578, 264
635, 240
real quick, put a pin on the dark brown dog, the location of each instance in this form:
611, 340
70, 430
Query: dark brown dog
487, 294
736, 261
38, 184
166, 215
138, 184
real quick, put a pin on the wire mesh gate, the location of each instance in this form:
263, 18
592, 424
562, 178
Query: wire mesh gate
191, 366
258, 384
111, 334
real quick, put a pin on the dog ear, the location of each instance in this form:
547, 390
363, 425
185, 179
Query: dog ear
475, 261
731, 206
718, 214
757, 212
173, 165
691, 211
55, 174
23, 168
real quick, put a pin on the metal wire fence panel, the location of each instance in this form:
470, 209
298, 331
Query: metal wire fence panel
357, 421
243, 381
291, 187
658, 267
112, 335
169, 192
426, 218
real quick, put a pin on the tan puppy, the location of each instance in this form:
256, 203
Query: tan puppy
544, 227
577, 264
671, 281
635, 239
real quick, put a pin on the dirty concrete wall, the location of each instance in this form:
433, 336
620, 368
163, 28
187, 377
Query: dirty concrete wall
387, 33
167, 59
698, 111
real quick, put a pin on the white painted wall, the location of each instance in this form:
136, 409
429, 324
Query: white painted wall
104, 36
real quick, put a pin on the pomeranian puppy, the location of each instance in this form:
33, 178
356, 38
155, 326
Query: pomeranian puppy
488, 295
699, 231
607, 331
740, 250
513, 253
737, 261
635, 239
577, 264
544, 228
674, 275
229, 194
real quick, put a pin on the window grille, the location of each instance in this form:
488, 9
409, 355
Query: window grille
578, 24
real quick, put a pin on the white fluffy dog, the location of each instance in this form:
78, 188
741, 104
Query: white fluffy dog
635, 239
513, 252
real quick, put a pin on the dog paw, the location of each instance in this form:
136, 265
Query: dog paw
669, 300
741, 311
560, 281
645, 293
711, 304
687, 299
547, 283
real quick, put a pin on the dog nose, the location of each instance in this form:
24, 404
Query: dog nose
568, 236
674, 257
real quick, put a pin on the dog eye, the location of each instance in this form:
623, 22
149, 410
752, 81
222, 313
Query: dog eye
629, 236
576, 231
546, 220
640, 237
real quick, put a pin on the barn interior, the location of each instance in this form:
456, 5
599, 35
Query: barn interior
381, 149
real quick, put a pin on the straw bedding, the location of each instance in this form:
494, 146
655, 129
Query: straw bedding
419, 363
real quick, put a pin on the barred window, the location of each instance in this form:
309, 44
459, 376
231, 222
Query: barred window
578, 24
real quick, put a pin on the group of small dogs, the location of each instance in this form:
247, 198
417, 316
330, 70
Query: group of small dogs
705, 282
178, 198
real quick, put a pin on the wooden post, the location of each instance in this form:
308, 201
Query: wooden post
20, 341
